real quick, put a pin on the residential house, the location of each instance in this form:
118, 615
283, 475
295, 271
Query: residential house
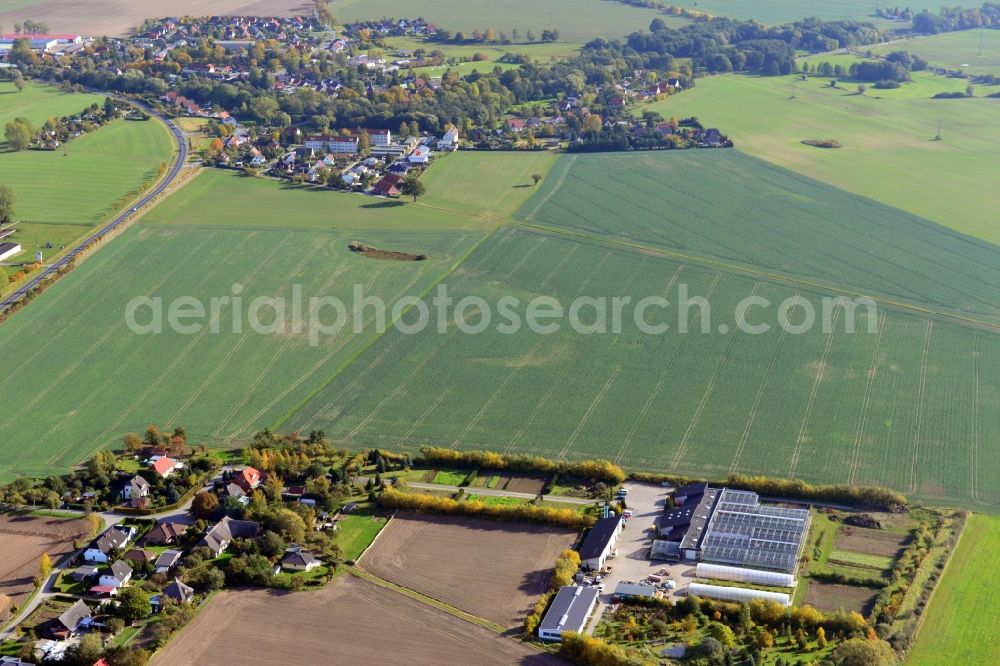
73, 619
389, 186
236, 492
449, 142
167, 560
179, 592
515, 125
165, 466
101, 549
165, 533
421, 155
379, 137
300, 561
83, 573
118, 575
136, 488
139, 555
218, 538
599, 543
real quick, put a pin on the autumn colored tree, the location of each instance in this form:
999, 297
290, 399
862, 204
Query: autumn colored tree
45, 567
204, 505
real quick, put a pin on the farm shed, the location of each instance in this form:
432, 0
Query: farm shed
8, 250
737, 594
741, 575
635, 591
600, 542
569, 612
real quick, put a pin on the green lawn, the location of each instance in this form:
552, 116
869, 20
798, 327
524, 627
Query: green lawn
356, 531
101, 379
450, 477
978, 49
488, 184
578, 21
63, 195
960, 623
883, 140
540, 52
490, 500
39, 102
861, 559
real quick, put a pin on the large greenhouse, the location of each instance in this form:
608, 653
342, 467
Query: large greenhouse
737, 594
741, 575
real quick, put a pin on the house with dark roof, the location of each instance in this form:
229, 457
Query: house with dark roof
599, 543
119, 574
136, 487
167, 560
222, 534
300, 561
139, 555
72, 620
569, 611
179, 592
112, 540
389, 186
692, 492
166, 533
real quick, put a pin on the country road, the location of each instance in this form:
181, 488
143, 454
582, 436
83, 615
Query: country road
172, 174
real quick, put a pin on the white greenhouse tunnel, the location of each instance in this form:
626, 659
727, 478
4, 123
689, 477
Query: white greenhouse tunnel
741, 575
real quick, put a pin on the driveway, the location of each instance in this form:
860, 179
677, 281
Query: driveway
646, 502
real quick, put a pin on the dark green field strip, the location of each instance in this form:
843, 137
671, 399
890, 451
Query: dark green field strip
825, 408
728, 206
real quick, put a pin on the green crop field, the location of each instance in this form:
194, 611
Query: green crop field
62, 195
771, 220
884, 141
902, 407
490, 184
97, 379
959, 626
539, 51
578, 21
973, 51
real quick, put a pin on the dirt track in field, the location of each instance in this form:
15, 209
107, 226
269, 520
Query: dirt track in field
120, 17
350, 621
493, 570
23, 539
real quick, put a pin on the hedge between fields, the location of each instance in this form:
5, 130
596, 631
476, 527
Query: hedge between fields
596, 470
861, 496
422, 503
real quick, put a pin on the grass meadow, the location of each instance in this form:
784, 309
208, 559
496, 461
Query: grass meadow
979, 50
960, 623
220, 386
882, 141
62, 195
903, 407
777, 12
770, 220
578, 21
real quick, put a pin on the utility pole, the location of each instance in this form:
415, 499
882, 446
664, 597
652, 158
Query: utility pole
938, 136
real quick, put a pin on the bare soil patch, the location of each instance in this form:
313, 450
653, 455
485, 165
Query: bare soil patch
525, 484
121, 17
493, 570
23, 539
385, 255
350, 621
829, 597
868, 541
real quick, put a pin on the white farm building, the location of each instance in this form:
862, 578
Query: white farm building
737, 594
741, 575
569, 612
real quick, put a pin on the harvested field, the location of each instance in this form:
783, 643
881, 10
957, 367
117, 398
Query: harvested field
493, 570
120, 17
337, 620
829, 597
23, 539
870, 542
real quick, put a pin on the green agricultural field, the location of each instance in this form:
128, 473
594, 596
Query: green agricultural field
38, 103
97, 379
62, 195
578, 21
884, 141
959, 626
769, 220
902, 407
539, 51
488, 184
975, 52
461, 69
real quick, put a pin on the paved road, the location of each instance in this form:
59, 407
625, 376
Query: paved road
49, 270
492, 492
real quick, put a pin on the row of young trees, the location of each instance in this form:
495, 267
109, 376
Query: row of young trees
392, 498
590, 470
